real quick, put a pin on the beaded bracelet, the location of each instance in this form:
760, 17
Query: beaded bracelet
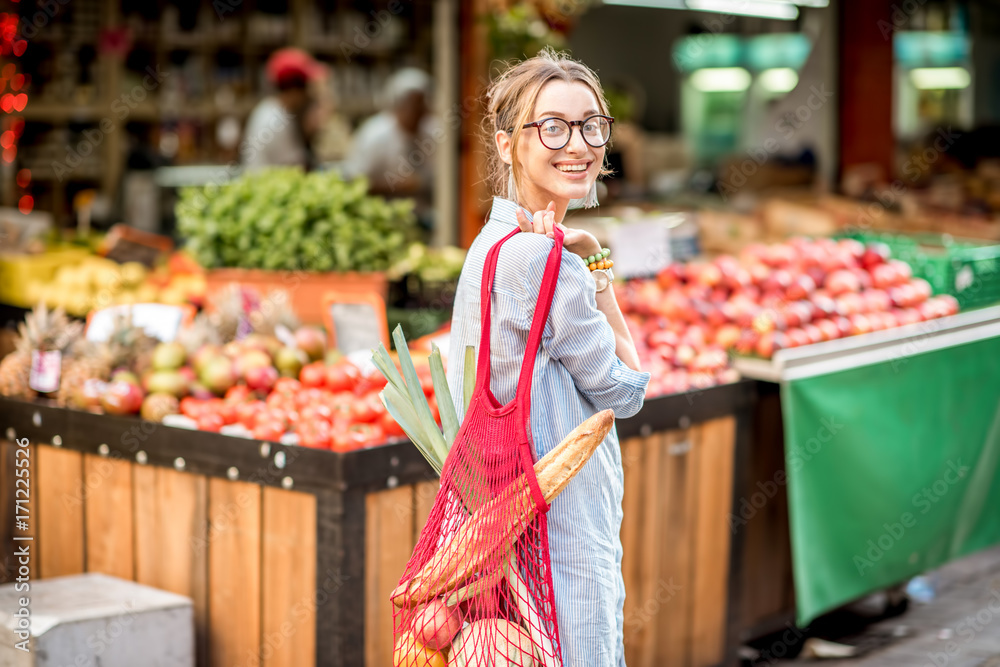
599, 261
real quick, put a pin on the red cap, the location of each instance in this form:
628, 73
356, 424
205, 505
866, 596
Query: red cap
287, 63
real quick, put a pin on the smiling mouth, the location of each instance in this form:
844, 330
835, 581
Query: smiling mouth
573, 168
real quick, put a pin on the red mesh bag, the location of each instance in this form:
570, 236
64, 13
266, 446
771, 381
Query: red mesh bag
477, 590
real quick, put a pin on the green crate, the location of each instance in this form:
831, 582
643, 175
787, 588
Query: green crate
968, 270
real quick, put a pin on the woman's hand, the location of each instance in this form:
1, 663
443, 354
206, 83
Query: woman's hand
576, 241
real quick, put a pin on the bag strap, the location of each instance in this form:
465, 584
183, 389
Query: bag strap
542, 308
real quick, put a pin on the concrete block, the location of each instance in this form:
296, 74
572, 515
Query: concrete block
93, 620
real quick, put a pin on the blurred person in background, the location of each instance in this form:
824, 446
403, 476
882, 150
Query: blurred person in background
396, 148
279, 129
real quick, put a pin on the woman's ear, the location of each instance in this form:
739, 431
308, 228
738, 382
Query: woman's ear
504, 145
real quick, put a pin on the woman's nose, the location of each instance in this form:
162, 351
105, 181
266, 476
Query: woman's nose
576, 143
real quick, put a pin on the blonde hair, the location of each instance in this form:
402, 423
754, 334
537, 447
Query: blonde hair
510, 100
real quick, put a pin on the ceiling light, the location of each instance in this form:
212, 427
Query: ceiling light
779, 79
771, 9
721, 79
940, 78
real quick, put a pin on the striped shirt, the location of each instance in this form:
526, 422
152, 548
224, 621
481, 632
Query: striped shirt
576, 375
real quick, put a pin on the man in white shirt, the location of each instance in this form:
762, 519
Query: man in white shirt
395, 148
275, 133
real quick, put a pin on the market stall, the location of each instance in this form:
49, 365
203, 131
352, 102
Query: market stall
891, 452
290, 553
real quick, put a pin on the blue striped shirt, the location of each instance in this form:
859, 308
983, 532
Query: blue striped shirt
576, 375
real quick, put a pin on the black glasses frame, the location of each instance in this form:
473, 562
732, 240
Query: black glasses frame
572, 123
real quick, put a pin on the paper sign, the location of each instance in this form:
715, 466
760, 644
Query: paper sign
357, 327
641, 248
46, 369
156, 319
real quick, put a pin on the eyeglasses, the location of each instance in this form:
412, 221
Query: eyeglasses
555, 133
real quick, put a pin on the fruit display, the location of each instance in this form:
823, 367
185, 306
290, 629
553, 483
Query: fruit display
688, 320
285, 219
42, 330
78, 281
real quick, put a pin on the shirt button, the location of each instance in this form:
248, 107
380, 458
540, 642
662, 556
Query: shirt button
616, 373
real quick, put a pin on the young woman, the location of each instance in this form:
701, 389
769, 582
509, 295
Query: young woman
549, 125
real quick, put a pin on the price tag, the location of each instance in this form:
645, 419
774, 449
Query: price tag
356, 322
641, 248
157, 319
46, 369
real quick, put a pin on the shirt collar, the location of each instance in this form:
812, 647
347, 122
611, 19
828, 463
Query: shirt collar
504, 211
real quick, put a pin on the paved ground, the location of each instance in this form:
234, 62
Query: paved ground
960, 627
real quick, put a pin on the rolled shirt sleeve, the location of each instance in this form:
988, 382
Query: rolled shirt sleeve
578, 336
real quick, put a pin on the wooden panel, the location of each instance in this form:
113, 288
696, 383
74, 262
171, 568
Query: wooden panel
423, 501
11, 511
171, 524
289, 579
679, 494
767, 588
388, 545
714, 472
633, 502
234, 515
62, 495
108, 516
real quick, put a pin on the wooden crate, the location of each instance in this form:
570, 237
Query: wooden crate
290, 554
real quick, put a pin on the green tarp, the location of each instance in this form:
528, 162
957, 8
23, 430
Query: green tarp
892, 470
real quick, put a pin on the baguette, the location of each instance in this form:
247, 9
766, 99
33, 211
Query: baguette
488, 536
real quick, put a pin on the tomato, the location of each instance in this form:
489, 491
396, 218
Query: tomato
247, 413
209, 421
280, 401
390, 426
316, 412
315, 434
367, 409
192, 407
341, 405
269, 429
286, 386
374, 382
426, 384
342, 376
237, 393
310, 396
364, 435
227, 411
313, 375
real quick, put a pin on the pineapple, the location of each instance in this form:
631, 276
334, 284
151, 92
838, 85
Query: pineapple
129, 346
198, 334
42, 329
86, 360
228, 309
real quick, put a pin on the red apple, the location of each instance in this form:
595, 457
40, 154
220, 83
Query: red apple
860, 324
842, 282
671, 275
797, 338
828, 329
261, 378
685, 354
921, 290
876, 301
747, 344
852, 247
885, 275
727, 336
813, 333
843, 325
779, 281
771, 342
802, 286
903, 270
875, 253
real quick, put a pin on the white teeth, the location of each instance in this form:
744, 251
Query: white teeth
572, 167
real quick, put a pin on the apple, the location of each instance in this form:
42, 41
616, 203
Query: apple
823, 305
710, 360
813, 333
685, 354
261, 378
852, 247
885, 275
802, 286
797, 338
842, 282
843, 325
860, 324
875, 254
312, 341
779, 281
747, 343
876, 301
122, 398
771, 342
849, 304
921, 290
168, 356
727, 336
671, 275
828, 329
903, 270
